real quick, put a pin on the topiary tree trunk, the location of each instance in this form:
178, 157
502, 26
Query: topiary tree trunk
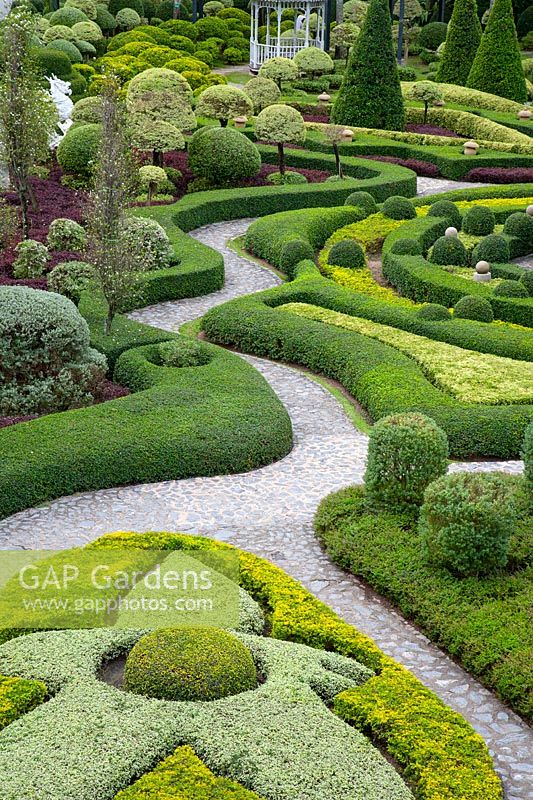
462, 41
497, 67
281, 158
370, 95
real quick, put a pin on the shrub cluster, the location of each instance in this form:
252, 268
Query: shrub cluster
32, 258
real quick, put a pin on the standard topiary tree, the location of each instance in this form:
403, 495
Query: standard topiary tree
313, 61
344, 36
370, 95
279, 69
406, 452
462, 41
426, 92
497, 67
223, 156
223, 103
262, 92
281, 125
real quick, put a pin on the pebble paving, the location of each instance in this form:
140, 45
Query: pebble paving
269, 511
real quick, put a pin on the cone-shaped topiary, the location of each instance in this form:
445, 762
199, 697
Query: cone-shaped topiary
497, 67
370, 95
462, 41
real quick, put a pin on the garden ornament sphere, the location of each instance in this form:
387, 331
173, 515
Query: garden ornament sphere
529, 211
482, 267
451, 231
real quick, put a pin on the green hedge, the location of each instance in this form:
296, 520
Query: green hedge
482, 622
19, 696
513, 191
219, 418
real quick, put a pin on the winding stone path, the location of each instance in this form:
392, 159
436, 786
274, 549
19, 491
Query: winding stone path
270, 512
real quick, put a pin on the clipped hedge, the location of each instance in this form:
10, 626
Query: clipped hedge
18, 696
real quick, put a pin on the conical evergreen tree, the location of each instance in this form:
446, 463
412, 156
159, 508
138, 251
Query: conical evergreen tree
462, 41
370, 95
497, 67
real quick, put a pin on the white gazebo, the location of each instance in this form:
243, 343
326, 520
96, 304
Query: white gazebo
276, 43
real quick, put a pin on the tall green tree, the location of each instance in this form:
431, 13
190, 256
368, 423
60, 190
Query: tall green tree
370, 95
497, 67
462, 41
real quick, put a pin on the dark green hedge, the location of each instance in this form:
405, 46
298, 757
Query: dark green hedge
219, 418
482, 622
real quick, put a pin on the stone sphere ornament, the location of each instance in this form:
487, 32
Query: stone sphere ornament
451, 231
482, 273
529, 211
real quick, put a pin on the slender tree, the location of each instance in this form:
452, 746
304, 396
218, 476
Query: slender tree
497, 67
462, 41
27, 114
109, 248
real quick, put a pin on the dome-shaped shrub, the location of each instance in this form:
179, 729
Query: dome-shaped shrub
150, 243
479, 221
434, 312
127, 19
69, 48
89, 7
527, 281
448, 211
88, 109
449, 251
293, 252
347, 253
59, 32
47, 363
88, 31
466, 521
78, 149
494, 248
521, 226
223, 155
397, 207
71, 278
52, 62
184, 352
65, 234
117, 5
510, 289
432, 35
406, 247
405, 453
189, 664
32, 258
362, 200
472, 307
68, 16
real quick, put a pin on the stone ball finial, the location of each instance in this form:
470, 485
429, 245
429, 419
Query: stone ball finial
529, 211
451, 231
482, 272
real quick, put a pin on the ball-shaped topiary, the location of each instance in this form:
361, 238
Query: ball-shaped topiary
88, 109
59, 32
262, 92
184, 352
521, 226
347, 253
448, 250
117, 5
406, 247
288, 177
68, 16
105, 21
448, 211
88, 31
279, 69
473, 307
150, 243
405, 453
89, 7
223, 155
69, 48
127, 19
479, 221
32, 258
293, 252
510, 289
189, 664
494, 248
223, 103
313, 61
434, 312
71, 278
52, 62
362, 200
527, 281
432, 35
466, 521
78, 149
66, 234
397, 207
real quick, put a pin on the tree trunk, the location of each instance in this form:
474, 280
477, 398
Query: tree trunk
338, 160
425, 112
109, 320
223, 123
157, 158
281, 159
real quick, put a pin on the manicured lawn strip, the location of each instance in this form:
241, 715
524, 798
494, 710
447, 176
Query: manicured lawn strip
484, 622
17, 697
471, 377
414, 721
216, 419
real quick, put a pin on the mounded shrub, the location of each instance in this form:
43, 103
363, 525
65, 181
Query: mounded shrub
462, 41
52, 62
434, 312
288, 177
189, 664
510, 289
527, 281
88, 109
59, 32
448, 250
88, 32
117, 5
293, 252
68, 16
347, 253
78, 149
32, 258
362, 200
447, 210
527, 455
127, 19
521, 226
66, 234
466, 521
472, 307
432, 35
397, 207
105, 21
479, 221
406, 452
407, 247
150, 243
71, 278
223, 156
69, 48
494, 248
183, 352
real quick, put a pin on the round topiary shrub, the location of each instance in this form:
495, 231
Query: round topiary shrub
78, 149
52, 62
432, 35
127, 19
527, 281
150, 243
405, 453
449, 251
59, 32
288, 178
66, 234
47, 363
88, 32
494, 248
472, 307
397, 207
521, 226
293, 252
406, 247
510, 289
117, 5
32, 258
466, 521
434, 312
88, 109
189, 664
223, 155
479, 221
69, 48
362, 200
347, 253
68, 16
448, 211
71, 278
183, 352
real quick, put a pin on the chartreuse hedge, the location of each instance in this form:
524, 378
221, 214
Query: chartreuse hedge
18, 696
437, 750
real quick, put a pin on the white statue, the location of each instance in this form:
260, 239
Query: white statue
60, 92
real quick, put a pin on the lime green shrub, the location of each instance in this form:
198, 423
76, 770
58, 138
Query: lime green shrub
466, 521
405, 453
223, 156
347, 253
313, 61
472, 307
189, 664
89, 7
88, 32
462, 41
78, 149
17, 697
59, 32
183, 352
262, 92
448, 250
223, 103
397, 207
479, 221
279, 69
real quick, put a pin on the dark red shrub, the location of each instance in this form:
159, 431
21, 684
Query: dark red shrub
500, 175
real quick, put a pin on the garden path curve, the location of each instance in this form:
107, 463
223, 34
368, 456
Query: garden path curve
270, 512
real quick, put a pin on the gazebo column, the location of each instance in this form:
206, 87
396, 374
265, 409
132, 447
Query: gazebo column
307, 13
279, 12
